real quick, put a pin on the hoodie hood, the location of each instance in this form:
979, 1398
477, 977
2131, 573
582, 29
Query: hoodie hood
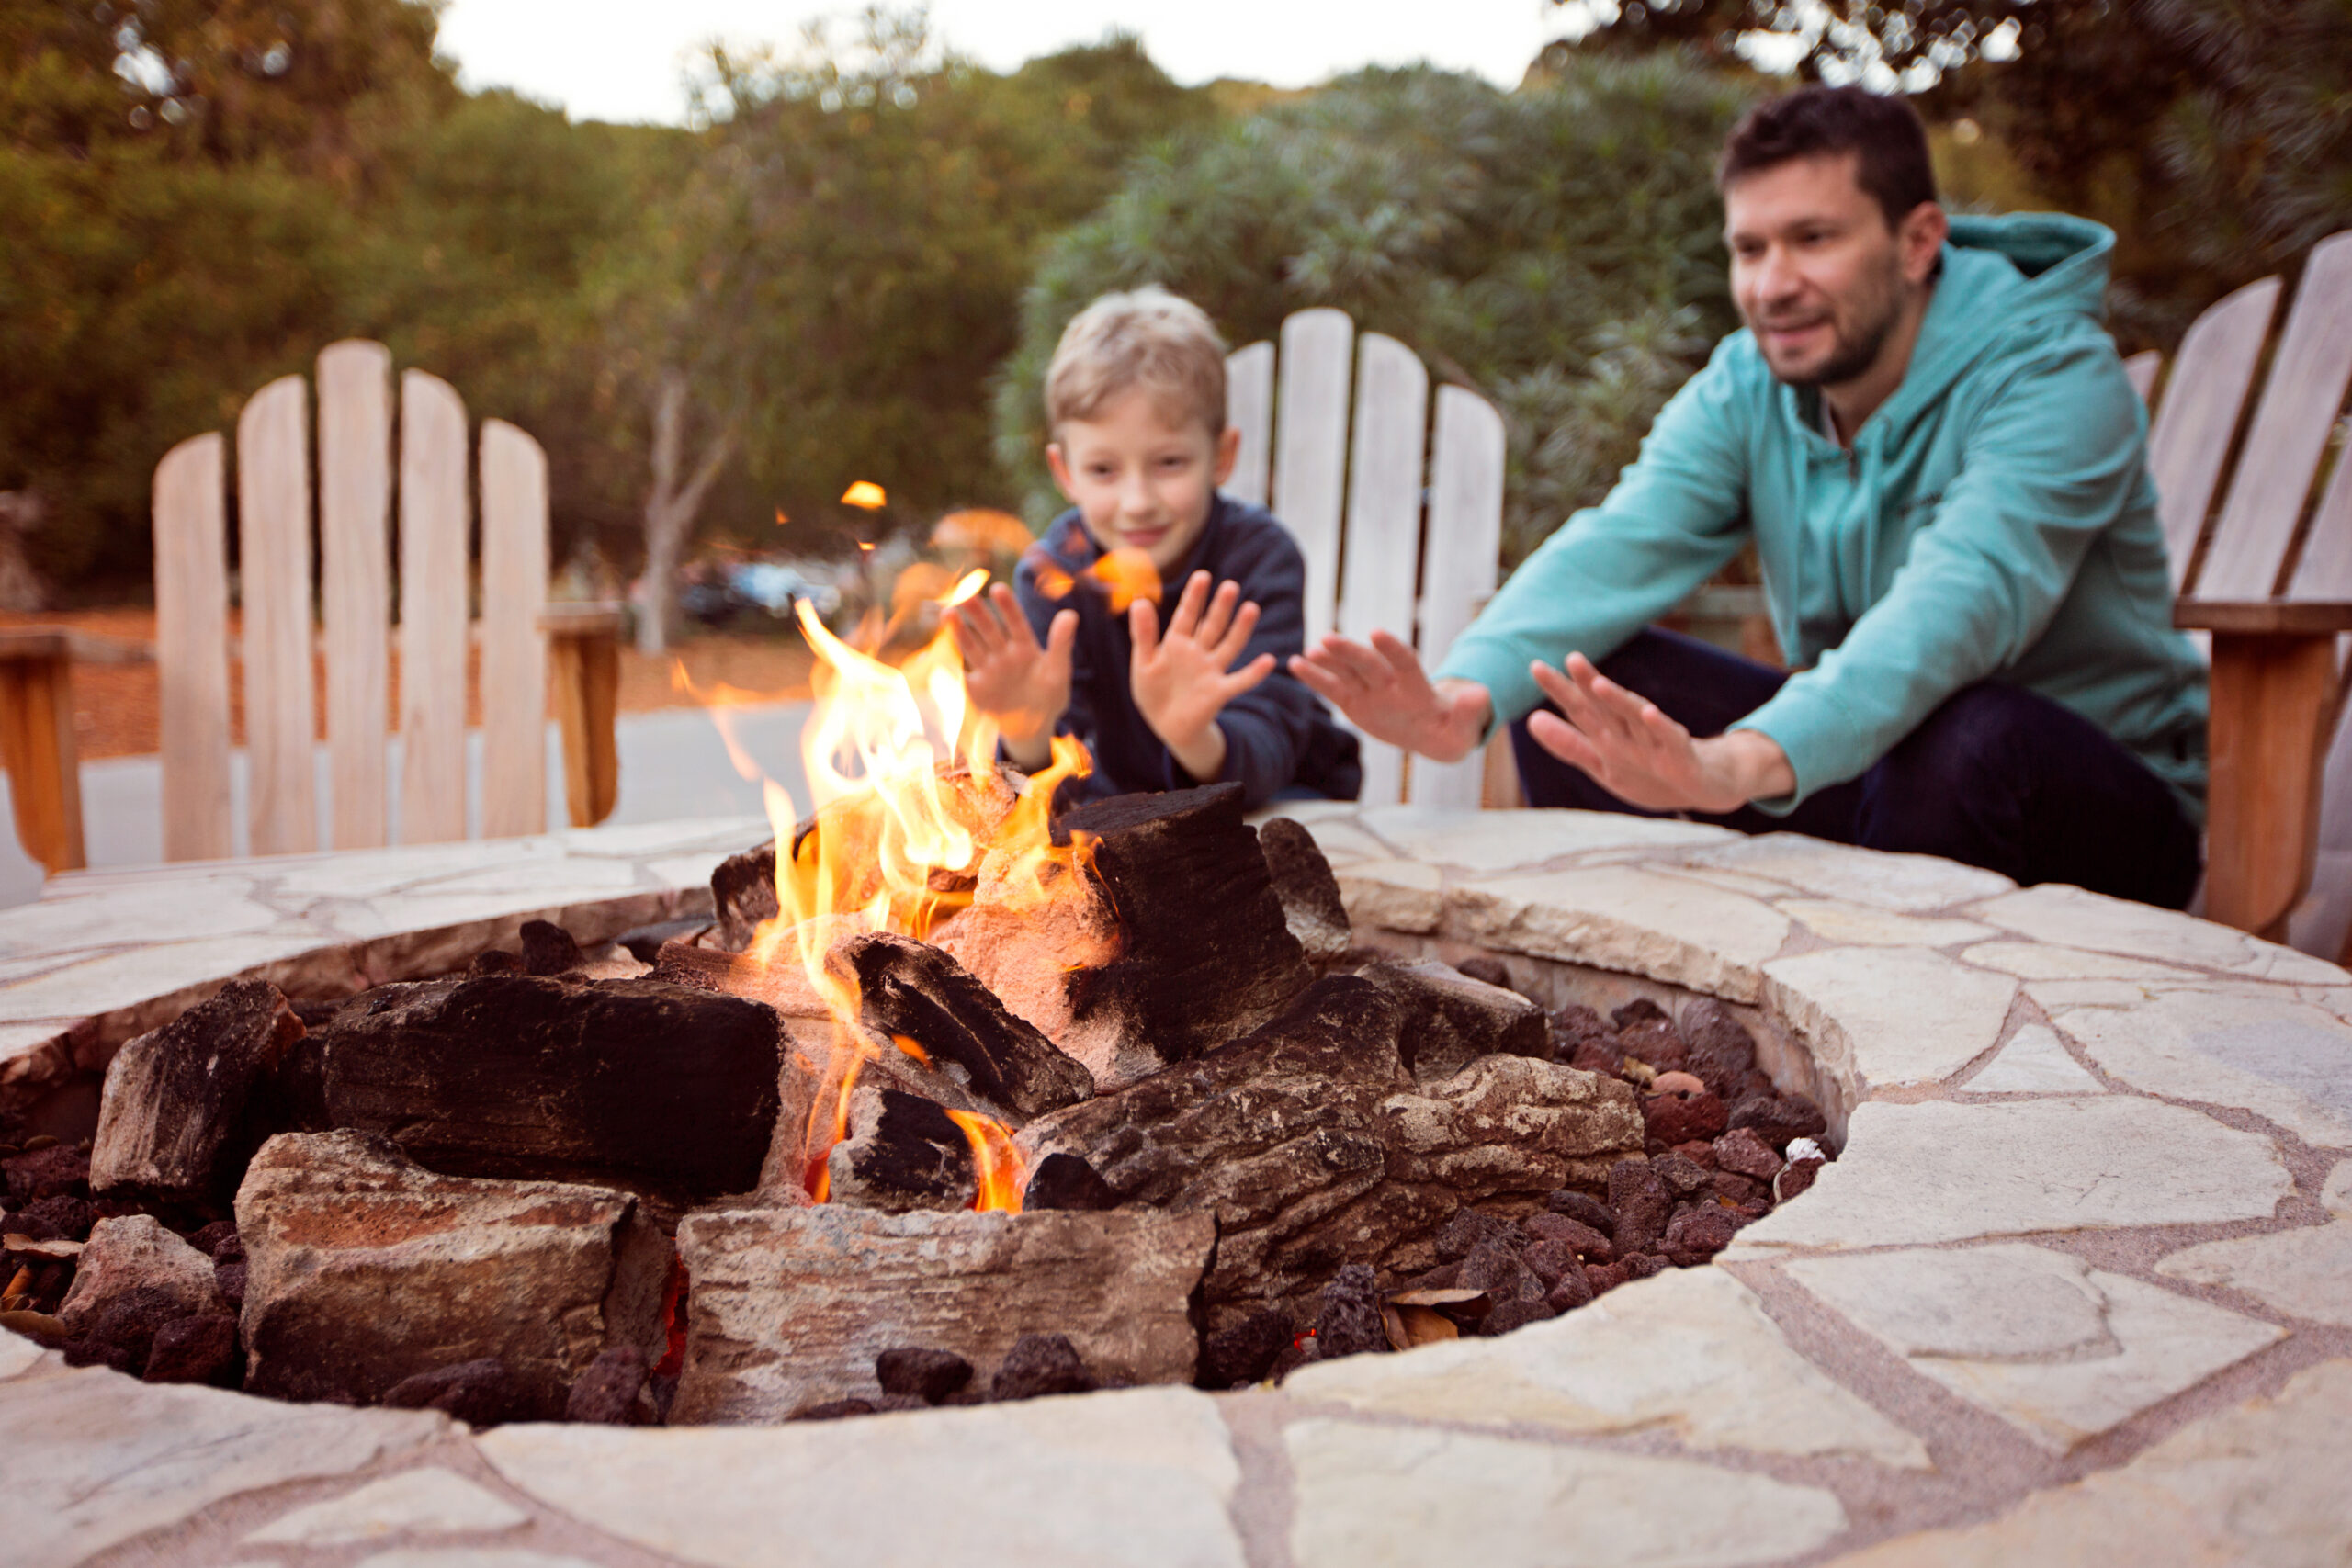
2022, 270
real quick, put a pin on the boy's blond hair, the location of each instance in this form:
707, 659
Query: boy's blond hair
1145, 338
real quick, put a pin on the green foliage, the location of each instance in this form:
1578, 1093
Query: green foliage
1558, 249
861, 232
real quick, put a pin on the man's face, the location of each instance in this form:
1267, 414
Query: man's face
1141, 480
1817, 274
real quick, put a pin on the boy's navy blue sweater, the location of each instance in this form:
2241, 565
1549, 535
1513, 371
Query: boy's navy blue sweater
1278, 734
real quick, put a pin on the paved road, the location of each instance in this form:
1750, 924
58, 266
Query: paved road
674, 766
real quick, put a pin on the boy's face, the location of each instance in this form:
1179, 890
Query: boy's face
1141, 482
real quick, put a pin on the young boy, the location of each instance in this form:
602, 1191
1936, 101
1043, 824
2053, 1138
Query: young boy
1134, 399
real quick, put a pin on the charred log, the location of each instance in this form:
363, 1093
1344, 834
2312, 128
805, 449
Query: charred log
1309, 893
902, 1153
638, 1082
185, 1106
910, 988
1451, 1018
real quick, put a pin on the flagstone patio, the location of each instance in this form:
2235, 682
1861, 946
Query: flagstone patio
2076, 1291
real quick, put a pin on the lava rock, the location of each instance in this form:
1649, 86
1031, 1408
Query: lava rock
1486, 969
1673, 1119
1733, 1188
229, 1279
1041, 1364
1698, 1234
57, 1170
1574, 1290
1797, 1176
1643, 1203
194, 1349
1778, 1118
122, 1330
1698, 1152
55, 1218
1517, 1314
1641, 1010
1646, 1265
1743, 1150
1468, 1229
1349, 1321
1245, 1350
1682, 1175
1602, 1277
1678, 1082
548, 949
1583, 1207
1654, 1041
208, 1239
1064, 1180
611, 1392
1501, 1273
1553, 1262
929, 1375
1719, 1047
480, 1392
1587, 1243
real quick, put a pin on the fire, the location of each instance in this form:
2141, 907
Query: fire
906, 802
1124, 576
866, 495
994, 1160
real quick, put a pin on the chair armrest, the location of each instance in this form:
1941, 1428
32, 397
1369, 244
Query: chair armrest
2264, 617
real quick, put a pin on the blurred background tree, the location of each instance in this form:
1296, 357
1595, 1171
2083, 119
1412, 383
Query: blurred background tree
1558, 249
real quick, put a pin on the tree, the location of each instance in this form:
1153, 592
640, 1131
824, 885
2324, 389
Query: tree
2213, 135
1556, 249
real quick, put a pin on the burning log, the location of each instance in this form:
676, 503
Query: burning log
1183, 947
911, 991
638, 1082
902, 1152
1312, 1147
792, 1306
177, 1120
784, 987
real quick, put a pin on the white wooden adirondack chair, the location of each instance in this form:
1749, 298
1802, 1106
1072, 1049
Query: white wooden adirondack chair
355, 593
2269, 578
1420, 545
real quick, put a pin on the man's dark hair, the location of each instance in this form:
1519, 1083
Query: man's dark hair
1884, 133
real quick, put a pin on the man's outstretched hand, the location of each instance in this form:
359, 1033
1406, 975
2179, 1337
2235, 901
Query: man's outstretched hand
1383, 692
1641, 756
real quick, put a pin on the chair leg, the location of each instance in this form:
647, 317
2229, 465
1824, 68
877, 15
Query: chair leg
584, 680
2272, 694
37, 746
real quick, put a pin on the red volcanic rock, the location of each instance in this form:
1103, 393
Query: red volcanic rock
1678, 1117
1743, 1149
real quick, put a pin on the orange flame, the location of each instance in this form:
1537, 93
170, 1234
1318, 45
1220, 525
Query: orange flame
866, 495
994, 1160
906, 802
1129, 576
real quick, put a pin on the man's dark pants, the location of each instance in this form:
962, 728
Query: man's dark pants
1999, 776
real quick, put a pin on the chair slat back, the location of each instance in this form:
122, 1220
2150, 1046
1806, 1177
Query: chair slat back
2204, 402
354, 582
1419, 562
1249, 409
192, 645
1381, 557
274, 575
434, 592
2301, 403
513, 652
1460, 560
1311, 450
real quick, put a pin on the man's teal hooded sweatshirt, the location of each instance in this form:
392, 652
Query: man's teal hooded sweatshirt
1994, 520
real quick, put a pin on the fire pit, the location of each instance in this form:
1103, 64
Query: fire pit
2077, 1276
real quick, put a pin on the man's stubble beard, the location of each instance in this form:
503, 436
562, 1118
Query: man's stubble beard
1850, 359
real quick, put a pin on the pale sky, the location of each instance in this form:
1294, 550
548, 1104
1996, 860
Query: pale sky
624, 59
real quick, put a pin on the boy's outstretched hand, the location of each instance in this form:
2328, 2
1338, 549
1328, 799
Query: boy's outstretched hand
1383, 692
1180, 682
1024, 688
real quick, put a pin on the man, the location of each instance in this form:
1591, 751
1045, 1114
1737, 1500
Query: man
1931, 442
